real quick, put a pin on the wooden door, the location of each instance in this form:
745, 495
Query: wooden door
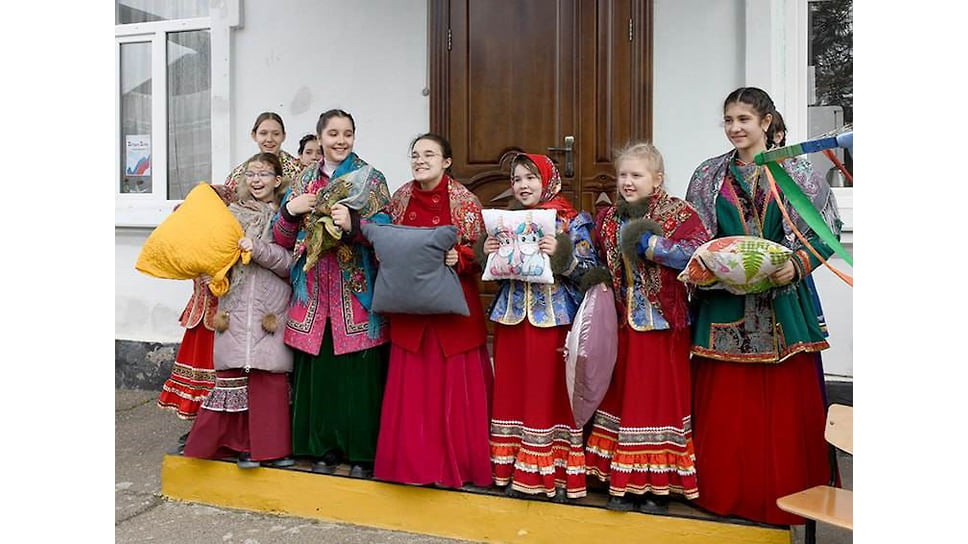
522, 75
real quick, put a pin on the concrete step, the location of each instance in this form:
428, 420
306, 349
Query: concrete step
475, 514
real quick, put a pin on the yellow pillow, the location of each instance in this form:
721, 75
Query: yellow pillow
200, 237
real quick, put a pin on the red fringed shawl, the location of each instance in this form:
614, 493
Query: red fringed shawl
667, 294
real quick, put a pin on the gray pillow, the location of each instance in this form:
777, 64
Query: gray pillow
413, 278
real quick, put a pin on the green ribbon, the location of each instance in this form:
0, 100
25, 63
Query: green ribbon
805, 208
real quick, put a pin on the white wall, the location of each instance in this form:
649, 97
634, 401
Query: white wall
836, 298
284, 59
145, 308
698, 60
300, 58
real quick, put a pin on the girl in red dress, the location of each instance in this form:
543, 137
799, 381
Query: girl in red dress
641, 437
536, 446
433, 426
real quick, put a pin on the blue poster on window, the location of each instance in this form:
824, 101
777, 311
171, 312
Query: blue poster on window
138, 155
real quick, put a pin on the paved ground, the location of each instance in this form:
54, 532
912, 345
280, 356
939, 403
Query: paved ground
144, 433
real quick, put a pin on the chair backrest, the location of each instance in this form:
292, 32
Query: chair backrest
840, 427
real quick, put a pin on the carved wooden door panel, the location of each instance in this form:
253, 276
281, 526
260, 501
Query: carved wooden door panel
540, 76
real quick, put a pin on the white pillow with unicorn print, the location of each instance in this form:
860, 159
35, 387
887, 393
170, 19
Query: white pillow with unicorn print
518, 232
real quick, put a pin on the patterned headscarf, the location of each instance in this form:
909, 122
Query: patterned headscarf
550, 187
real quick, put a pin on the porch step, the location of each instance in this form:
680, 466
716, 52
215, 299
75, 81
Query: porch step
483, 515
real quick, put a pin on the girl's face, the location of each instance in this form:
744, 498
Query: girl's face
637, 179
526, 186
337, 139
262, 180
744, 127
311, 153
427, 162
269, 136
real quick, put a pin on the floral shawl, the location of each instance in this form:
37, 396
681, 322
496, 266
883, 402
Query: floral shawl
679, 221
465, 209
352, 257
707, 183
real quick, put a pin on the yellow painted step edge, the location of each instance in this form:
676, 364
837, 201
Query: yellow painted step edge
432, 511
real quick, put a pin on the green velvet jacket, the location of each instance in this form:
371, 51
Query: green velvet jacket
771, 326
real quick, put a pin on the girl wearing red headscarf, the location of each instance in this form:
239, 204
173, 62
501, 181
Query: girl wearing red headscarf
536, 447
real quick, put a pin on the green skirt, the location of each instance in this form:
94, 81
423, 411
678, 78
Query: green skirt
337, 400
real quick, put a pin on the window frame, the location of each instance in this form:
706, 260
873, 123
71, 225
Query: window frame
780, 27
150, 209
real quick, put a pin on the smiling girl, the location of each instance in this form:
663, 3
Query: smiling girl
759, 408
536, 446
268, 133
247, 414
341, 359
433, 428
641, 437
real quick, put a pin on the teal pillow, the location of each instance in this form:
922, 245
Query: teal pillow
412, 278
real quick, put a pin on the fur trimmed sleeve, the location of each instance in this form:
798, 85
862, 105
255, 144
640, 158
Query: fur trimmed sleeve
562, 260
632, 233
593, 277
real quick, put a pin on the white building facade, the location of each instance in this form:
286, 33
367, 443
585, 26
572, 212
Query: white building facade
301, 57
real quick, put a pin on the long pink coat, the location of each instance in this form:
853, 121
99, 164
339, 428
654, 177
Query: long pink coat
329, 297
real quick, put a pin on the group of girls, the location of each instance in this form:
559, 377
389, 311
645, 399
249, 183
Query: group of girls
715, 397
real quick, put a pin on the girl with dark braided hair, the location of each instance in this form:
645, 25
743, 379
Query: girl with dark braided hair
758, 400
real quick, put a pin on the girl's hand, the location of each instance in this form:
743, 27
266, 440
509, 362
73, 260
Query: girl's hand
491, 245
341, 217
548, 244
206, 279
245, 244
303, 203
784, 275
450, 259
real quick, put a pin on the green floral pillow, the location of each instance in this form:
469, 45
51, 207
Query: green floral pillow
739, 264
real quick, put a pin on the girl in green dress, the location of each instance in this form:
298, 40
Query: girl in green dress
758, 403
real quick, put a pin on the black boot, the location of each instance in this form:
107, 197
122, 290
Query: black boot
561, 496
513, 493
328, 464
654, 504
620, 504
245, 461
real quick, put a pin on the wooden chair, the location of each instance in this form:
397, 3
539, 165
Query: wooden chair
827, 503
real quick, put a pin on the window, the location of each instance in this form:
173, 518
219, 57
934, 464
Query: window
164, 110
830, 65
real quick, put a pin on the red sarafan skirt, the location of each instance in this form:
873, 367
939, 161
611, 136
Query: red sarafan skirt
759, 434
433, 424
192, 374
535, 444
246, 412
641, 437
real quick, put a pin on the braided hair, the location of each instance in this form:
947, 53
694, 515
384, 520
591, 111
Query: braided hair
761, 103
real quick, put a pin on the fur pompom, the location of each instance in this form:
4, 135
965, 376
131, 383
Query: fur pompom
561, 258
593, 277
270, 323
631, 234
221, 321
